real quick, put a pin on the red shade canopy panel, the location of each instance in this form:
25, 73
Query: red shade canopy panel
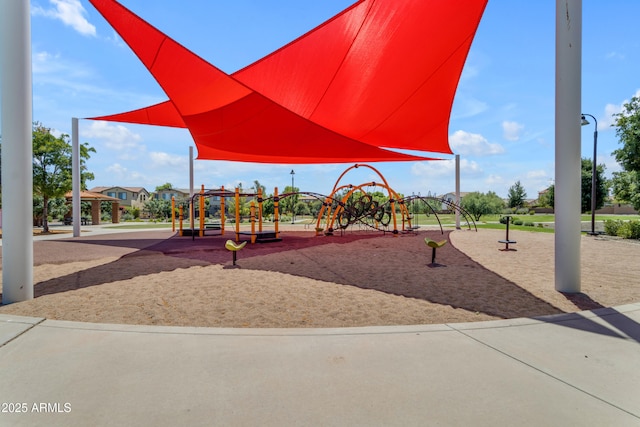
380, 75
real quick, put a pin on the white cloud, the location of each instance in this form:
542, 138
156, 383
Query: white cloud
115, 39
44, 62
117, 169
511, 130
116, 137
536, 174
48, 67
445, 168
610, 110
610, 163
474, 144
119, 174
71, 13
494, 180
466, 107
469, 72
166, 160
535, 181
615, 55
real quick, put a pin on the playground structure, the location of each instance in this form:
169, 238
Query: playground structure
350, 205
347, 206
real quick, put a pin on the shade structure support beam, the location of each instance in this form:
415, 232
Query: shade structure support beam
191, 190
75, 177
457, 191
567, 144
17, 151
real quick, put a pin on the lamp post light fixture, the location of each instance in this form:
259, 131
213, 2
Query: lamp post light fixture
585, 122
293, 207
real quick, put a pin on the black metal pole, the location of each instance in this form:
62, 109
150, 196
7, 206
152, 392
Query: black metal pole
293, 207
594, 181
594, 172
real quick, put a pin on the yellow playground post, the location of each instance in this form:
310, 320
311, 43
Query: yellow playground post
260, 210
202, 211
222, 217
253, 222
276, 201
173, 213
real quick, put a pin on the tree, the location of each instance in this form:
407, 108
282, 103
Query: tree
158, 208
516, 195
601, 185
287, 204
257, 186
478, 204
57, 207
268, 207
626, 184
628, 131
165, 186
626, 187
52, 175
302, 208
547, 199
315, 207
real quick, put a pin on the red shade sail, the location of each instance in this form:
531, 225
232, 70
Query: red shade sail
381, 74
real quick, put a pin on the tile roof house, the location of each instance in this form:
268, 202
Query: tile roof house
134, 197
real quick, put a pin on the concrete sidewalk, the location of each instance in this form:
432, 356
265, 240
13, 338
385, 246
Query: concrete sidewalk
574, 369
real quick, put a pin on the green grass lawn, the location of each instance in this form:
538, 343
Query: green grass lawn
493, 221
498, 226
486, 221
143, 225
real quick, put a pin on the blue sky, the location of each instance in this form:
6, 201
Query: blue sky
502, 123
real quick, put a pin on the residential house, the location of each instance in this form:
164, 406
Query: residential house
180, 194
134, 197
451, 197
308, 199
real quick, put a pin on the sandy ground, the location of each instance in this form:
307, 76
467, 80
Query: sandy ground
357, 279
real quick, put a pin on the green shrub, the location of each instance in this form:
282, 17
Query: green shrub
629, 230
503, 219
611, 226
532, 212
517, 222
528, 224
540, 225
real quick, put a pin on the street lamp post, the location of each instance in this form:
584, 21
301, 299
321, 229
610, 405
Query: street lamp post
593, 173
293, 208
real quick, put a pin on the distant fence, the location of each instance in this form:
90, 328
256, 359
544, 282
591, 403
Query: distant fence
617, 209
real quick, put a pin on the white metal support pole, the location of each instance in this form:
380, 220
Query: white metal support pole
75, 177
567, 144
457, 191
17, 151
191, 208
